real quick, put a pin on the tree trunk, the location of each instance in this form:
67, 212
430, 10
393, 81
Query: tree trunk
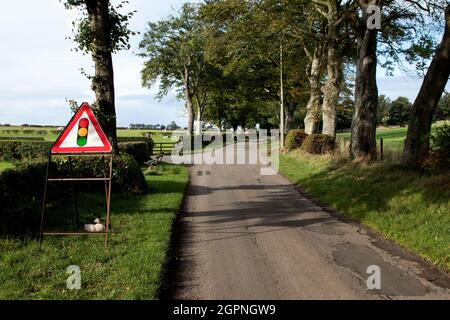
199, 121
103, 81
289, 115
313, 107
189, 103
282, 113
331, 87
200, 102
364, 124
190, 113
418, 138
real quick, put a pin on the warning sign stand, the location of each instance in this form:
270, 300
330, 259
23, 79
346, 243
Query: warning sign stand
83, 137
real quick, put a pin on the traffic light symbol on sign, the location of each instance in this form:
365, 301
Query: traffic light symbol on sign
82, 135
83, 130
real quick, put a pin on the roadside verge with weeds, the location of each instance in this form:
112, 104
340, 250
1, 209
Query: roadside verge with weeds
410, 209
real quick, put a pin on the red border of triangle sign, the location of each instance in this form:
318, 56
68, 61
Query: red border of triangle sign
83, 134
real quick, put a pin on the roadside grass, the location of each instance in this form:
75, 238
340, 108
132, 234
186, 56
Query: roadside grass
130, 269
5, 165
409, 209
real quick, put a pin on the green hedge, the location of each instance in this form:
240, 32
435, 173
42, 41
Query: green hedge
22, 150
318, 144
295, 138
21, 191
21, 188
21, 138
18, 149
138, 150
127, 174
148, 141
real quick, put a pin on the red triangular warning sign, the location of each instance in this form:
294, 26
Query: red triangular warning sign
83, 134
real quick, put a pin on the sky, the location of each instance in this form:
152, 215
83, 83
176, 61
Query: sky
38, 70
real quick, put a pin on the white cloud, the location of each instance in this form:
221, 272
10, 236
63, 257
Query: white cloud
38, 70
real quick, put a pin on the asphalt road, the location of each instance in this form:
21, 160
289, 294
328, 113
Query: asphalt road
247, 236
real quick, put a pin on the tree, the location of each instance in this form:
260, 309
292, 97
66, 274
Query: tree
243, 42
384, 106
315, 69
418, 137
174, 49
399, 111
330, 9
307, 27
101, 31
363, 141
383, 28
172, 126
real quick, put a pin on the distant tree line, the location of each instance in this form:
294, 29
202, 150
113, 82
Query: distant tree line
397, 112
170, 126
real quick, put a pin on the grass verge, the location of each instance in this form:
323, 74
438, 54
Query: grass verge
409, 209
130, 269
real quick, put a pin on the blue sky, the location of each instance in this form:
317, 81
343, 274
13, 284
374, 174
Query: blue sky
38, 70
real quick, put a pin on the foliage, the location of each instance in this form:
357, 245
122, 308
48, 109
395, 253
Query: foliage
172, 126
174, 46
384, 106
138, 150
21, 138
295, 138
127, 175
243, 42
5, 165
399, 112
344, 113
443, 108
318, 144
148, 141
119, 32
23, 150
21, 192
439, 157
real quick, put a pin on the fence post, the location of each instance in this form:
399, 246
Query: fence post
382, 149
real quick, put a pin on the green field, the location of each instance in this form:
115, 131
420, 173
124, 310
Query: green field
410, 209
393, 138
130, 269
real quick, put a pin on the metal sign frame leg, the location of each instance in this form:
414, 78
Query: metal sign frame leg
107, 178
44, 201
